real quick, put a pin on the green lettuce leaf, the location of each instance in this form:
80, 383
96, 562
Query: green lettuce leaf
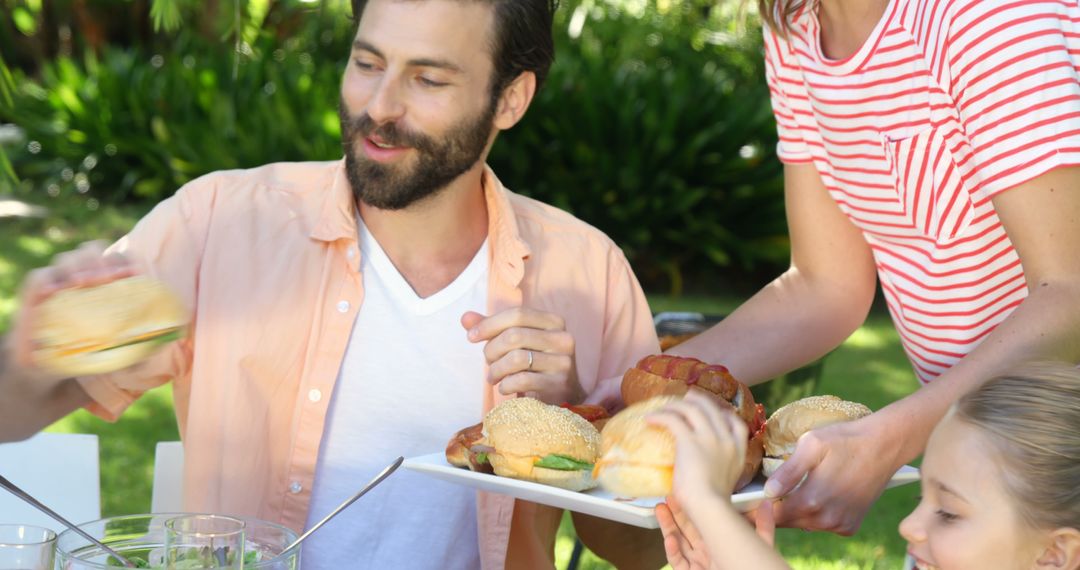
164, 338
562, 463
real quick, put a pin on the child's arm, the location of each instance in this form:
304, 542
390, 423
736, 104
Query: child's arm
726, 533
710, 445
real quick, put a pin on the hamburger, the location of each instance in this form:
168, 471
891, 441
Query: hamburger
789, 423
526, 439
667, 375
95, 330
636, 458
466, 450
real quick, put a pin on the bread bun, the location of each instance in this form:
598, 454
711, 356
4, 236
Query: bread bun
95, 330
462, 450
636, 458
789, 423
755, 452
523, 431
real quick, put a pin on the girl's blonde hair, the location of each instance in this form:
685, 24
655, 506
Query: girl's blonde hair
1032, 416
778, 14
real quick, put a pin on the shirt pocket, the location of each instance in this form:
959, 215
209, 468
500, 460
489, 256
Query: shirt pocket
932, 191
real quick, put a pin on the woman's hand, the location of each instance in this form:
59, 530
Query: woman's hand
846, 467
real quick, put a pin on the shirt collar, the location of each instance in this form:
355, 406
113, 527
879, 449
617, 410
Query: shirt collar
337, 220
508, 249
337, 217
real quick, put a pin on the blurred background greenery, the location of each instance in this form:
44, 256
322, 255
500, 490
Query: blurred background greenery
654, 126
655, 112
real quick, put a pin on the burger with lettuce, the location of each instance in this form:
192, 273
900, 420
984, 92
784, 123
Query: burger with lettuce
94, 330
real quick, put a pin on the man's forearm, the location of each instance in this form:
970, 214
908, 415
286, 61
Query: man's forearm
1045, 326
30, 401
789, 323
622, 545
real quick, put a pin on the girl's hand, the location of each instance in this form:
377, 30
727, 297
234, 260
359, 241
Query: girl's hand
710, 445
682, 542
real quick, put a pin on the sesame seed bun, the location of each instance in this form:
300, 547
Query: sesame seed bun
95, 330
789, 423
523, 430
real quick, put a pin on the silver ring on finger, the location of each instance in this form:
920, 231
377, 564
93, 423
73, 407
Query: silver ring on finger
529, 367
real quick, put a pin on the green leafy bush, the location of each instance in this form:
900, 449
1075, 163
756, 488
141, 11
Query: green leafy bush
654, 126
666, 144
130, 125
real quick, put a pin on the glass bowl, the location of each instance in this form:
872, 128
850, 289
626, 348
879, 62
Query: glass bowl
143, 537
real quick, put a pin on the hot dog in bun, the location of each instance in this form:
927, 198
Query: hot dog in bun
666, 375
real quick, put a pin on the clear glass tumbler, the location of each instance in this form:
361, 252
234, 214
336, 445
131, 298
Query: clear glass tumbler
25, 547
204, 541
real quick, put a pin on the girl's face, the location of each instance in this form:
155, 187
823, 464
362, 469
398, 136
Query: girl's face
966, 519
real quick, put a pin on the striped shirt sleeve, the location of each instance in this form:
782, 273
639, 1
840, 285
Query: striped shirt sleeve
782, 73
1013, 69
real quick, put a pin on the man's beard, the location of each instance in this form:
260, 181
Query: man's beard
397, 186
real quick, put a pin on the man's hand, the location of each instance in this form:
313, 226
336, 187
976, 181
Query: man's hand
846, 467
528, 352
30, 397
82, 267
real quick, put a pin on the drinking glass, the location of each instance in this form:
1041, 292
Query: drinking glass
204, 541
25, 547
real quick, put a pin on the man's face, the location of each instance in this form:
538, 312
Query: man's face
416, 110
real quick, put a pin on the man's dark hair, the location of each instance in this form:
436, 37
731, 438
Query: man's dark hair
523, 39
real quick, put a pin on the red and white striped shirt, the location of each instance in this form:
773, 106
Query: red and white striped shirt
946, 104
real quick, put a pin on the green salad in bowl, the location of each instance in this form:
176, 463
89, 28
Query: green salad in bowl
141, 539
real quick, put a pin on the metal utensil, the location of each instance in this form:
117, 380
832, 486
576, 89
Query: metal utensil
371, 484
15, 490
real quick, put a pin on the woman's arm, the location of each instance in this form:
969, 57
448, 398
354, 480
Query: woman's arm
811, 308
850, 463
1042, 219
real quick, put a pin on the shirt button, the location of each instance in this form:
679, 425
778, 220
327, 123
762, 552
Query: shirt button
314, 395
296, 487
350, 253
343, 306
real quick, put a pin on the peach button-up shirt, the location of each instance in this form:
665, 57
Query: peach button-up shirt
267, 260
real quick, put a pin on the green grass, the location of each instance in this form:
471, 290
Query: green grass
870, 367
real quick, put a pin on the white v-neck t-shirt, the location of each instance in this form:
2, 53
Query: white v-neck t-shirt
409, 380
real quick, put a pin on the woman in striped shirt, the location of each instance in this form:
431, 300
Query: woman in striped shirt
933, 145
